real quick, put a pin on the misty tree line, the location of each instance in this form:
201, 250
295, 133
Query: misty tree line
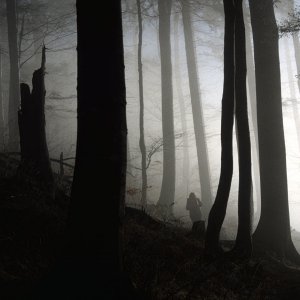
24, 28
273, 231
268, 147
28, 30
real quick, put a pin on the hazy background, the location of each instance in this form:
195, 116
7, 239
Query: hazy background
208, 33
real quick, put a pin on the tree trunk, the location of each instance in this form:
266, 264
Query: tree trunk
218, 210
141, 94
273, 230
32, 123
167, 193
297, 55
2, 141
296, 43
243, 240
198, 119
14, 83
292, 91
94, 247
182, 111
92, 263
253, 109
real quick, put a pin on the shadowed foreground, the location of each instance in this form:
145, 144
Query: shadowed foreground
164, 260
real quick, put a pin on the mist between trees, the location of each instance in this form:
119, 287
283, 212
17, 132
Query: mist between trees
196, 51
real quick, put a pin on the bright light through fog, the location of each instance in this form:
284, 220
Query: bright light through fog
209, 46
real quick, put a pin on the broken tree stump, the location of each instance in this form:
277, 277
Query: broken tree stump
32, 126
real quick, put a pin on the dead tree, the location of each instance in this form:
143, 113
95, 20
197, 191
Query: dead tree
34, 150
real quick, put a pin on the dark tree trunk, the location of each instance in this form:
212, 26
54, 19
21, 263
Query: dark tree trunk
2, 142
243, 240
273, 231
218, 210
235, 92
32, 127
141, 94
92, 264
198, 119
182, 111
14, 83
166, 199
97, 202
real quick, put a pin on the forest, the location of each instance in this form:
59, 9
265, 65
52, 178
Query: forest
152, 152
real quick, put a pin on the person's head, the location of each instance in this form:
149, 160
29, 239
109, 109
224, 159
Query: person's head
192, 196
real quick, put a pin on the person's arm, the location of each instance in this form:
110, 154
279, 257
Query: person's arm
199, 202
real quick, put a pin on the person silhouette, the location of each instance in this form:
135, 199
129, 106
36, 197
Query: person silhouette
193, 205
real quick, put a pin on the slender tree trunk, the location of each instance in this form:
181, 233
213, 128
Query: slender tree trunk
198, 119
292, 92
141, 117
129, 168
273, 230
166, 198
253, 109
182, 111
297, 55
14, 83
243, 240
296, 43
218, 210
2, 142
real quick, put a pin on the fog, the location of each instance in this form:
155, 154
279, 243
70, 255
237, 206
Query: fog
209, 48
208, 37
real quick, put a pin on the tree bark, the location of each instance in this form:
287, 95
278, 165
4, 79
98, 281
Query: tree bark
2, 141
141, 116
198, 119
218, 210
14, 83
97, 203
182, 111
167, 193
273, 230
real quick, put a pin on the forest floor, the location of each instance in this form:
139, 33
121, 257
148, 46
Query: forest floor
164, 261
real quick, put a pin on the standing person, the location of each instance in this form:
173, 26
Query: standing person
193, 205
